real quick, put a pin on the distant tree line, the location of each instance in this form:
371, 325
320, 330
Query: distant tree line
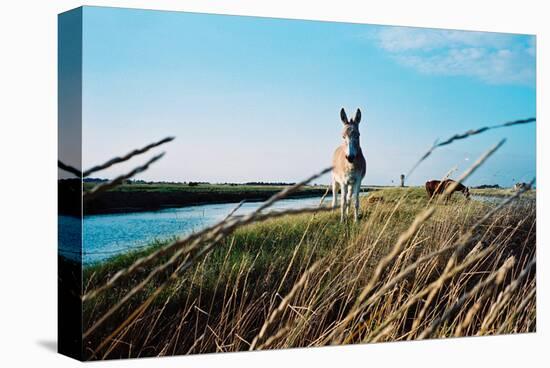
195, 183
267, 183
191, 183
94, 180
487, 186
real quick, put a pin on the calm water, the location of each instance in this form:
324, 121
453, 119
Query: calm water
111, 234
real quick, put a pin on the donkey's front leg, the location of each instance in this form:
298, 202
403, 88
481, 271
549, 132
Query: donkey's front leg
343, 200
334, 193
357, 189
349, 197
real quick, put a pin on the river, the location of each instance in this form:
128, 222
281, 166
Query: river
107, 235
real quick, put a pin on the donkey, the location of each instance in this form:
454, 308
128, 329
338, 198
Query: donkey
348, 166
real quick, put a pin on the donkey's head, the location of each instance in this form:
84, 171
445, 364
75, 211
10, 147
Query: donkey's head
351, 134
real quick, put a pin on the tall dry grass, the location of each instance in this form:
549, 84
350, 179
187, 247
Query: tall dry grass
296, 280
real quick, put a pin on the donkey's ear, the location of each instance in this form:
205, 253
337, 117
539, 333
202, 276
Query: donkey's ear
357, 118
343, 116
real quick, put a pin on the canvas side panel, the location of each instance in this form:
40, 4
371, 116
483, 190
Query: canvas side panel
69, 325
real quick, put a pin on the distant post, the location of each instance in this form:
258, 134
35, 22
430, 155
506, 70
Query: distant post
402, 177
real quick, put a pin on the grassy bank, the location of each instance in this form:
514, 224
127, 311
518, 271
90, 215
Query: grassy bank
299, 281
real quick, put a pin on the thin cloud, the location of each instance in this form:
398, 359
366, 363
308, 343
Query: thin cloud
490, 57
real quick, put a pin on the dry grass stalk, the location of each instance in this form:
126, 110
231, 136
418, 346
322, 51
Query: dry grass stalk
279, 334
100, 188
413, 299
69, 168
504, 297
284, 303
468, 319
117, 160
520, 308
467, 134
490, 282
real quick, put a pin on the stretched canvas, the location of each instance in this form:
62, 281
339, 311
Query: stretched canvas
231, 183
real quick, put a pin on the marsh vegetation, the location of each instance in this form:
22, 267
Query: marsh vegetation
308, 280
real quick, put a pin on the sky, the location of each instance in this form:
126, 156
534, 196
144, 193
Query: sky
258, 99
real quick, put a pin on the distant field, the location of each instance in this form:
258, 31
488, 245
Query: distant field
501, 192
144, 197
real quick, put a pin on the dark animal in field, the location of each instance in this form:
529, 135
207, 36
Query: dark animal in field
437, 187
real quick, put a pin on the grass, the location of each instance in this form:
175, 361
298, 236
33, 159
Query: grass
303, 280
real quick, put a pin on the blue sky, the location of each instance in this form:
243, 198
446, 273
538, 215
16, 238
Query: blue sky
258, 99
